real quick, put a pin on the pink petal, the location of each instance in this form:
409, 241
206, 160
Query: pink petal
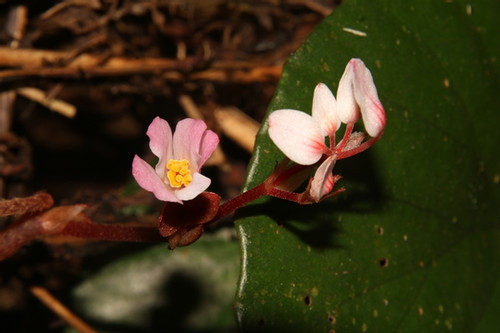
323, 180
147, 178
347, 108
187, 141
366, 96
324, 110
160, 142
297, 135
209, 142
199, 184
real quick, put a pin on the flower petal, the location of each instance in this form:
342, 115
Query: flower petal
160, 142
199, 184
187, 141
347, 108
297, 135
209, 142
366, 96
147, 178
323, 180
324, 110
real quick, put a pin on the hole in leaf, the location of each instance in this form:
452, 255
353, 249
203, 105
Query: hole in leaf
380, 231
307, 300
384, 262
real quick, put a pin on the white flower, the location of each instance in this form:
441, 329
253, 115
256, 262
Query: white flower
301, 137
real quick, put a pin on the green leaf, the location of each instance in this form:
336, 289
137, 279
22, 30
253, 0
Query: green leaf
413, 244
190, 289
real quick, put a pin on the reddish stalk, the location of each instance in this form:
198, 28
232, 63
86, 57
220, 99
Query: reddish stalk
345, 138
28, 228
239, 201
33, 204
286, 195
19, 234
282, 176
111, 232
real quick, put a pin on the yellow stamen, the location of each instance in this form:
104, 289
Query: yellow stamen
178, 173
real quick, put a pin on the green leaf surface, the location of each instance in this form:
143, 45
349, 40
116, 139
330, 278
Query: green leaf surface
190, 289
413, 244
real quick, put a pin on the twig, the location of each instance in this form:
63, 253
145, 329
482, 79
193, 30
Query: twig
7, 99
53, 104
190, 107
16, 24
94, 4
238, 126
61, 310
259, 74
46, 60
43, 64
316, 6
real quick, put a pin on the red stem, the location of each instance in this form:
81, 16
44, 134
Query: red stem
111, 232
345, 138
17, 235
239, 201
285, 195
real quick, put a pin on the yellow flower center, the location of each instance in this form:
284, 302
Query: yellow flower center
178, 173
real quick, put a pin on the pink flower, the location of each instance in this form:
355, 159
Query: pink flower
176, 177
301, 137
357, 92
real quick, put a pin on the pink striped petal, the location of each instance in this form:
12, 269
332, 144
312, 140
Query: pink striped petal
324, 110
209, 142
347, 108
323, 180
187, 141
160, 142
366, 96
297, 135
199, 184
148, 179
357, 92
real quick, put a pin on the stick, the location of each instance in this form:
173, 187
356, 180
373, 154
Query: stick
53, 104
238, 126
47, 64
61, 310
